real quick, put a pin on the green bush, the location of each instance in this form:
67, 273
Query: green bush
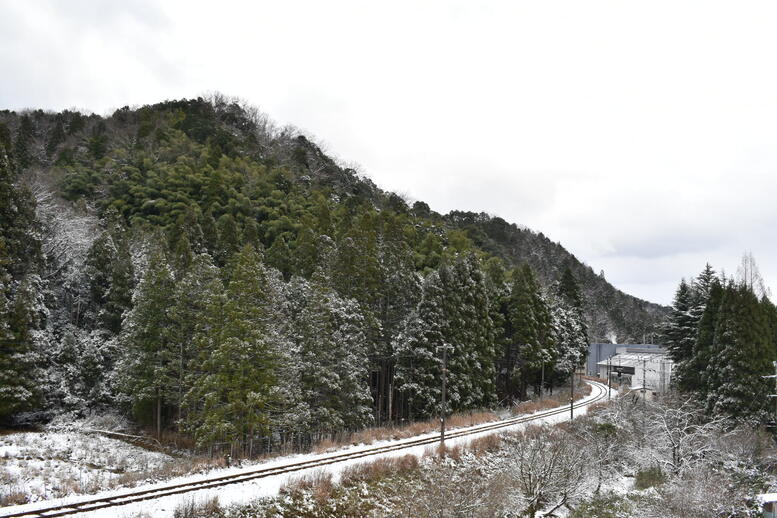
607, 505
649, 478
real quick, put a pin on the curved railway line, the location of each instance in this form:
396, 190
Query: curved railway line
131, 497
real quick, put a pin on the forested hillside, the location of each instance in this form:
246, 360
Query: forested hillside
198, 267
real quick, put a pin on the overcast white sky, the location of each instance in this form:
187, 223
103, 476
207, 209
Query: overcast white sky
641, 135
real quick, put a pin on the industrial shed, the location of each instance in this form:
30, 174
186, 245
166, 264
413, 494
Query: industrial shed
638, 368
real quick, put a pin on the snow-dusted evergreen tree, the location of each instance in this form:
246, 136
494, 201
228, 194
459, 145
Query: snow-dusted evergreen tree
571, 342
529, 340
355, 269
306, 254
680, 331
568, 289
232, 389
688, 371
419, 367
571, 331
22, 312
399, 293
771, 317
18, 375
742, 355
473, 357
196, 284
454, 313
111, 275
701, 376
147, 370
327, 334
83, 364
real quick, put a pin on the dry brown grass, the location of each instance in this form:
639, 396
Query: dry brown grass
596, 407
377, 469
180, 467
319, 483
370, 435
491, 442
561, 398
536, 405
13, 498
192, 508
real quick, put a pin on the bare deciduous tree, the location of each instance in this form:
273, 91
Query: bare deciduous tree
546, 469
749, 275
681, 435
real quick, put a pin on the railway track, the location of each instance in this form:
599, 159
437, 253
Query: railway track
131, 497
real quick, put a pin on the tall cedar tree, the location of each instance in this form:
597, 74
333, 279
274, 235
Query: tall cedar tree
454, 313
329, 341
529, 342
231, 396
148, 371
680, 331
20, 285
698, 376
569, 323
742, 355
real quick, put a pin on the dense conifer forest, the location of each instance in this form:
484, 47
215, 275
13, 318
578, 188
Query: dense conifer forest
205, 271
722, 336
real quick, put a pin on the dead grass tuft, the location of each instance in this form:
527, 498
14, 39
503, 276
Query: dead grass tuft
371, 435
319, 483
377, 469
560, 399
13, 498
487, 443
191, 508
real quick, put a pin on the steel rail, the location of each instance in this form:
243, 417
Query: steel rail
131, 497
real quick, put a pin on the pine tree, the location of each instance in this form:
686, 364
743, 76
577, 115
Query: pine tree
454, 313
279, 256
196, 285
529, 337
571, 342
19, 229
228, 239
251, 233
21, 291
571, 323
399, 291
111, 276
699, 375
680, 331
328, 335
83, 368
473, 357
210, 234
56, 137
148, 371
231, 394
18, 376
418, 366
743, 355
569, 290
306, 256
324, 225
771, 316
23, 143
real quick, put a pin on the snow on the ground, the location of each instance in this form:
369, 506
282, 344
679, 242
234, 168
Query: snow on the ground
42, 465
270, 486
